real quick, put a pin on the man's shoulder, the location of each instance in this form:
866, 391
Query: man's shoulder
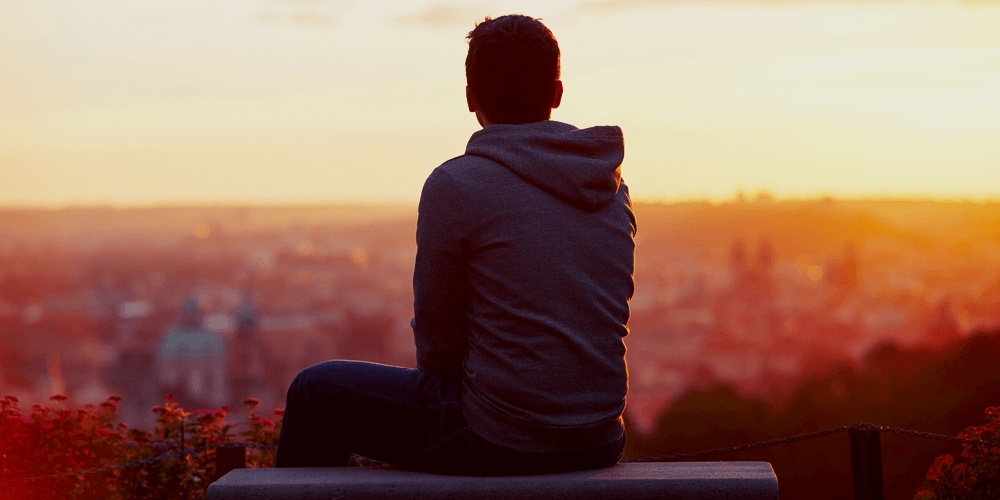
467, 164
468, 171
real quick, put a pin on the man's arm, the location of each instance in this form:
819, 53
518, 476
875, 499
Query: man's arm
439, 279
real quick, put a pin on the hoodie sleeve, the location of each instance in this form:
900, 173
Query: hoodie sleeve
439, 281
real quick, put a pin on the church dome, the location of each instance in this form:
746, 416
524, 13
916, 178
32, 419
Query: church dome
190, 338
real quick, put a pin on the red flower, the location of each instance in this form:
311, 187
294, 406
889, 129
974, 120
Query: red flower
976, 474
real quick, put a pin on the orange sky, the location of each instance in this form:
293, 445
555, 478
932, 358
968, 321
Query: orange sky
275, 101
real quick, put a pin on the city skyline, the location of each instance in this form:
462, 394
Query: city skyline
278, 102
754, 295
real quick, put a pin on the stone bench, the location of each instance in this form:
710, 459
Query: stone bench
630, 481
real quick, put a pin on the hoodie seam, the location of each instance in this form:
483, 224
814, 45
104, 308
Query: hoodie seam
462, 207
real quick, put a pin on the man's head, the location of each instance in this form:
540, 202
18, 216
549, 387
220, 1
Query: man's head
512, 71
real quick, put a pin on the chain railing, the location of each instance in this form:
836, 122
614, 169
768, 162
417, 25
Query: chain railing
866, 457
866, 452
940, 437
744, 447
135, 464
812, 435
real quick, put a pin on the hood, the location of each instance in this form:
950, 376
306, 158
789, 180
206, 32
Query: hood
579, 166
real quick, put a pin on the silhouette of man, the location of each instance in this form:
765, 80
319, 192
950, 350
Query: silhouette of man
522, 284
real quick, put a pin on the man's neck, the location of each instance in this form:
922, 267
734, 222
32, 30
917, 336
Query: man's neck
483, 121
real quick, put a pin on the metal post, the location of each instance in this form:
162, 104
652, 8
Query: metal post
866, 462
228, 458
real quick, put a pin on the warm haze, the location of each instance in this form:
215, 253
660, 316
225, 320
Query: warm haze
153, 102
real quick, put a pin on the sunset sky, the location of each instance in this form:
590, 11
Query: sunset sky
127, 102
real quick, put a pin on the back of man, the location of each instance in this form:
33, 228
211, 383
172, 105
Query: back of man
522, 282
525, 254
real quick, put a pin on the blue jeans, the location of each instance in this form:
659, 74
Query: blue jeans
405, 417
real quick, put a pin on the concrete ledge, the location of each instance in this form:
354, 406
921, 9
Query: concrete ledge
629, 481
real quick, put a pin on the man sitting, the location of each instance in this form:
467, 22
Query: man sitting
522, 283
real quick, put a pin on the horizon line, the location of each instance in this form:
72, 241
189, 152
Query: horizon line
762, 197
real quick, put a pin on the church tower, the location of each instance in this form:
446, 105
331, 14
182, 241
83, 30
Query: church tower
247, 363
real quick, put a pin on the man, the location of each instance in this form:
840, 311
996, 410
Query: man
521, 286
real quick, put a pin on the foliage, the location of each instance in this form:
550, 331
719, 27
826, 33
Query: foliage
261, 430
56, 443
912, 388
976, 474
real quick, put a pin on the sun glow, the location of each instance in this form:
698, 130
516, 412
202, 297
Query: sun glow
250, 102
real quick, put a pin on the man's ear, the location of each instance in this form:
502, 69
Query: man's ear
474, 107
557, 95
471, 100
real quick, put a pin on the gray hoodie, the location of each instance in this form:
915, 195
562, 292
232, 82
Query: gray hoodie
522, 283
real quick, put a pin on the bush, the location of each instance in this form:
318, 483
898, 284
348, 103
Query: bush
975, 474
43, 451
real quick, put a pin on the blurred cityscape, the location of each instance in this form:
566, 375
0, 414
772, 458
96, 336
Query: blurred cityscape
214, 304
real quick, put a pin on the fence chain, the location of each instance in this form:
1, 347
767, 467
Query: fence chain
940, 437
813, 435
253, 446
658, 458
749, 446
151, 460
127, 465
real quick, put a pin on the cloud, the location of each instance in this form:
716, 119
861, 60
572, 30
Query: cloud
445, 16
312, 18
612, 5
309, 13
622, 5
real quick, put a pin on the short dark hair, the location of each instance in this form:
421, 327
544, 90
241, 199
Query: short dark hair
512, 68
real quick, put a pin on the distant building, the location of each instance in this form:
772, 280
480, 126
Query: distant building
246, 360
132, 374
943, 327
191, 362
739, 267
751, 281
